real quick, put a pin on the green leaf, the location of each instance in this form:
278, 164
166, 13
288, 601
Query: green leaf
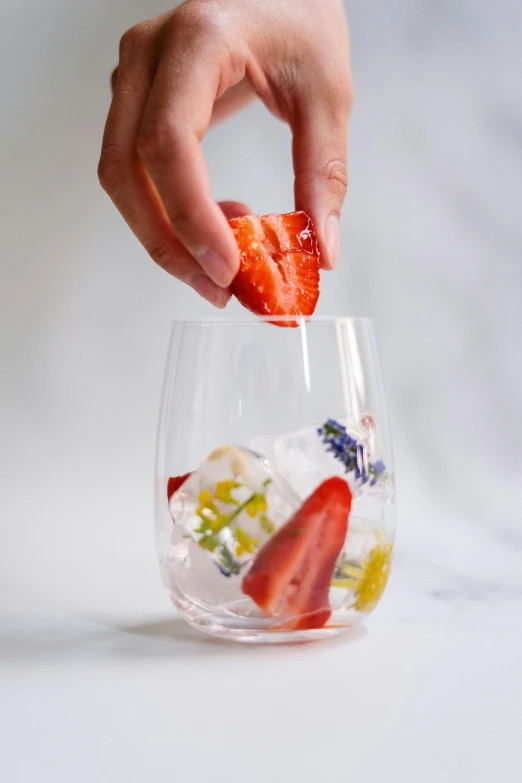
208, 542
228, 562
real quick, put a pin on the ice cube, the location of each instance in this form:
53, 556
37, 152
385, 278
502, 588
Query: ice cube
363, 568
231, 505
303, 460
299, 457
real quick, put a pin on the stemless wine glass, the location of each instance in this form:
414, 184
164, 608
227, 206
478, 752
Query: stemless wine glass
275, 504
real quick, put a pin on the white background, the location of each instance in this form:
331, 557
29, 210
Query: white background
98, 682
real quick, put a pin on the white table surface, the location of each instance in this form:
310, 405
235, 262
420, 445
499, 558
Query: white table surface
430, 690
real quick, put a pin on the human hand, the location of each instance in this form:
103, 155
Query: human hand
181, 72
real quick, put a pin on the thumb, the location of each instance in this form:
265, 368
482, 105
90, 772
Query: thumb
320, 136
234, 209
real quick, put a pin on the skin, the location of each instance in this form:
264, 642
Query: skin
180, 73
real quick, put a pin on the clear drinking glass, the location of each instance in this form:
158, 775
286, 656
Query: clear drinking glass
243, 554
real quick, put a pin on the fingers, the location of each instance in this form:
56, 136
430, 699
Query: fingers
320, 134
233, 209
177, 114
233, 100
114, 79
124, 177
186, 70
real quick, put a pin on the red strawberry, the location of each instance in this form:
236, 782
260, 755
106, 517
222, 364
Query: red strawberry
174, 483
291, 574
279, 272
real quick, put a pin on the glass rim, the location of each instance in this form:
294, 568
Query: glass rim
301, 320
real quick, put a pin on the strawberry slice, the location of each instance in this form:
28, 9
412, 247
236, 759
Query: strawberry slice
174, 483
279, 272
291, 575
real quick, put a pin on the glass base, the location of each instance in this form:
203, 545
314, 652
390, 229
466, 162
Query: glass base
226, 624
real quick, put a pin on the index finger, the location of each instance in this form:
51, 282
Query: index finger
177, 114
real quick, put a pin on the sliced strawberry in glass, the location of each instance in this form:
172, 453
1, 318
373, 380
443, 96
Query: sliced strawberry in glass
174, 483
291, 575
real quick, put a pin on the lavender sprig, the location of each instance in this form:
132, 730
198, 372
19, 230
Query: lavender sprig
352, 454
227, 563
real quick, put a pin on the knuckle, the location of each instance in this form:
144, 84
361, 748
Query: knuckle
343, 95
340, 95
111, 168
171, 257
159, 254
157, 138
350, 95
199, 17
332, 174
185, 213
132, 41
346, 96
114, 78
335, 173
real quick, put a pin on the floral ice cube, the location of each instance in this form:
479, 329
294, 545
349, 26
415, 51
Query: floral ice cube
231, 505
307, 457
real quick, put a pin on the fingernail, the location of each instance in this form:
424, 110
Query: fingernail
333, 240
215, 266
204, 286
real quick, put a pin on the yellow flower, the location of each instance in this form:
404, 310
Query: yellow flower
256, 505
214, 518
244, 542
224, 489
207, 508
211, 520
349, 576
367, 579
375, 574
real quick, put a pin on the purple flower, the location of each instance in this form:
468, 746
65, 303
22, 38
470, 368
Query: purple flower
379, 467
352, 454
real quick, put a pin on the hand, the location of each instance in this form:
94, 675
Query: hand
194, 66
